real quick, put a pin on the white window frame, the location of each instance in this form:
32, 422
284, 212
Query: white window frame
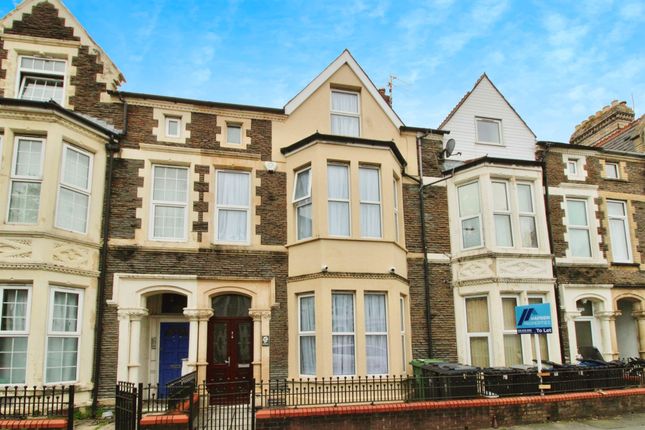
507, 213
478, 334
375, 202
513, 331
339, 200
155, 203
402, 322
23, 178
572, 166
64, 334
378, 333
594, 322
625, 220
496, 121
344, 113
397, 226
521, 214
168, 119
246, 209
616, 167
230, 125
302, 334
342, 333
85, 191
302, 201
17, 333
24, 73
587, 228
468, 217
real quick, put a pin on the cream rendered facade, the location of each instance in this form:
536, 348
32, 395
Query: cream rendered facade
43, 257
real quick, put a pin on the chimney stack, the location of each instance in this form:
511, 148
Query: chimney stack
602, 123
387, 98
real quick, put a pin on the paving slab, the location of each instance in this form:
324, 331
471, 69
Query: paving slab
634, 421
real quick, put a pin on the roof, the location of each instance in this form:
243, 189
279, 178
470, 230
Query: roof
199, 102
620, 139
344, 58
465, 97
605, 149
346, 140
26, 6
86, 120
423, 130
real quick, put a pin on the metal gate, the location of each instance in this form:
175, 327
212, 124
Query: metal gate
226, 405
126, 415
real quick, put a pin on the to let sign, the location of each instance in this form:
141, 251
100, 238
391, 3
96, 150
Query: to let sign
533, 319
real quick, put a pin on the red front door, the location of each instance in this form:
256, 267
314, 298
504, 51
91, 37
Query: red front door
230, 349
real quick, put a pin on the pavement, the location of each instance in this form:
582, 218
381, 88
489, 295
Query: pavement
93, 425
624, 422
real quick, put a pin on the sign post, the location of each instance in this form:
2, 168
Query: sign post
534, 319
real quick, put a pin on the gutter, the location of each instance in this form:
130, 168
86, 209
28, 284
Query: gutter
554, 267
111, 147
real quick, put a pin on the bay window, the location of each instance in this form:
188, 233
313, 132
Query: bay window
343, 336
63, 337
302, 204
338, 200
26, 180
478, 330
376, 334
578, 228
169, 203
395, 187
470, 215
232, 206
14, 329
370, 190
345, 116
619, 231
502, 214
74, 190
307, 334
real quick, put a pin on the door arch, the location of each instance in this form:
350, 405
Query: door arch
230, 339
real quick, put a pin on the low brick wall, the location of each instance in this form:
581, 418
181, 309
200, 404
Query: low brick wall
457, 414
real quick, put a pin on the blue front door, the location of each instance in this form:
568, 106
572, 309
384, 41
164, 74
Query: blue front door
173, 347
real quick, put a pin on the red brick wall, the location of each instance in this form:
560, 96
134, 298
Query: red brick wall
457, 414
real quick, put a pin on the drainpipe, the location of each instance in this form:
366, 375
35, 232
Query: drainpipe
545, 184
111, 147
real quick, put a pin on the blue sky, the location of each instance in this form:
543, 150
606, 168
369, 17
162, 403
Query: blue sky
556, 61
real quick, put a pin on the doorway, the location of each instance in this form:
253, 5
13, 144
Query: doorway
627, 330
230, 340
173, 348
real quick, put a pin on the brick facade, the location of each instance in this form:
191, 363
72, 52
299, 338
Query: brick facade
43, 21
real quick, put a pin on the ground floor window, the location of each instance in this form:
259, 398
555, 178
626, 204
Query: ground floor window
478, 330
512, 341
343, 346
63, 335
14, 329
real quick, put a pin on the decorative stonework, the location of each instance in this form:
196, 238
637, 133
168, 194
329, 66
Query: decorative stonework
259, 315
15, 249
348, 275
474, 269
198, 314
70, 255
523, 267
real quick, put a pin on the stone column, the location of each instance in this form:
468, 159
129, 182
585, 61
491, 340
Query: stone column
570, 319
134, 362
123, 354
261, 319
608, 334
193, 316
640, 317
202, 315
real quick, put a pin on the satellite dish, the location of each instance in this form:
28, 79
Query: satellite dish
450, 147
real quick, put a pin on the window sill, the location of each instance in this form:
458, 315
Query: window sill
490, 144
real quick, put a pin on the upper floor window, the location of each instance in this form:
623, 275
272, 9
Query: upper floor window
169, 203
26, 180
74, 190
572, 166
173, 126
14, 330
526, 210
489, 130
345, 116
578, 228
470, 215
619, 231
63, 336
502, 214
302, 203
370, 188
395, 196
233, 206
41, 79
338, 199
612, 171
234, 134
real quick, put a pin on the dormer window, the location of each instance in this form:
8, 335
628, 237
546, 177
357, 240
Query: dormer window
41, 79
489, 131
345, 116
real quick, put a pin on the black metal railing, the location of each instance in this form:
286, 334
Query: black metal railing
38, 402
226, 405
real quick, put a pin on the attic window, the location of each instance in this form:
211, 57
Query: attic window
489, 131
612, 171
41, 79
345, 117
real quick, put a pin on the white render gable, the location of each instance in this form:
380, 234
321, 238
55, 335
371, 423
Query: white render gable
485, 102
